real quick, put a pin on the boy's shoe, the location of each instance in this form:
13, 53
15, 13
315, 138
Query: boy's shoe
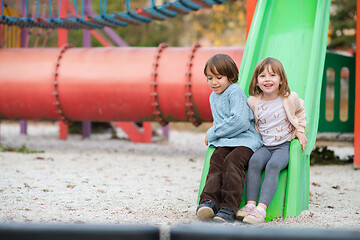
206, 210
225, 215
256, 216
244, 211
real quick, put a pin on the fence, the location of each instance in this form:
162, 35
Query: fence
337, 104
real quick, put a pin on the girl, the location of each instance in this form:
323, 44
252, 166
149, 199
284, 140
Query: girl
279, 118
235, 137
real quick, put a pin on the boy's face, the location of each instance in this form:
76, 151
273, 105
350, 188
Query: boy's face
218, 83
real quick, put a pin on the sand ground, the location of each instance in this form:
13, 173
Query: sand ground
99, 180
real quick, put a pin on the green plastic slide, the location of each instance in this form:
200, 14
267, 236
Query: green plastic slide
295, 32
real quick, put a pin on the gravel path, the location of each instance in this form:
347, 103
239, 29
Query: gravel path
99, 180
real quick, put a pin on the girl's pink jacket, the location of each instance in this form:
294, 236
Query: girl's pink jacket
294, 108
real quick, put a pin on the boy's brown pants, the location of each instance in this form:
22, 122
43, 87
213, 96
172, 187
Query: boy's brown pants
225, 181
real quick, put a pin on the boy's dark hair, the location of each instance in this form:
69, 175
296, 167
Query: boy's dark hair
224, 65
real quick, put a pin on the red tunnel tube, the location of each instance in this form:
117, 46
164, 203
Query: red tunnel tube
106, 84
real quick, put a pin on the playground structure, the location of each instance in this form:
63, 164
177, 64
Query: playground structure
337, 117
337, 110
64, 9
52, 90
113, 20
107, 84
276, 31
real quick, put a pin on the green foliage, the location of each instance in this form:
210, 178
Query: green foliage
342, 24
223, 25
22, 149
324, 156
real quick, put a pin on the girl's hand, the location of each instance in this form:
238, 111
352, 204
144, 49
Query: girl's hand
302, 139
206, 140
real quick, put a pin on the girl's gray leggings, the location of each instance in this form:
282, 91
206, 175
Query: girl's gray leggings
273, 159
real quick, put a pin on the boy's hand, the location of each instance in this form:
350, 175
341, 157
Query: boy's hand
302, 139
206, 140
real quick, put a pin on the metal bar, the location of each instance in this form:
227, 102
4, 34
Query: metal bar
78, 231
357, 92
226, 232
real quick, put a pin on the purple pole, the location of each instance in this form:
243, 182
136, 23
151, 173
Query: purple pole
86, 129
23, 44
86, 125
111, 33
121, 43
166, 131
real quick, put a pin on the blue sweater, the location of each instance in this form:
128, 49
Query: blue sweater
233, 120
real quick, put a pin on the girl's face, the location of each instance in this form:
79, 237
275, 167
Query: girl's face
218, 83
269, 82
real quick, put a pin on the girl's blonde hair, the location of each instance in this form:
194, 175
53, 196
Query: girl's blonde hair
224, 65
277, 68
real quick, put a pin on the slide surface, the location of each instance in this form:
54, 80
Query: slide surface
295, 32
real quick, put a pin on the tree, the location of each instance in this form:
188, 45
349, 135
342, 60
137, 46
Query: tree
342, 32
222, 25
